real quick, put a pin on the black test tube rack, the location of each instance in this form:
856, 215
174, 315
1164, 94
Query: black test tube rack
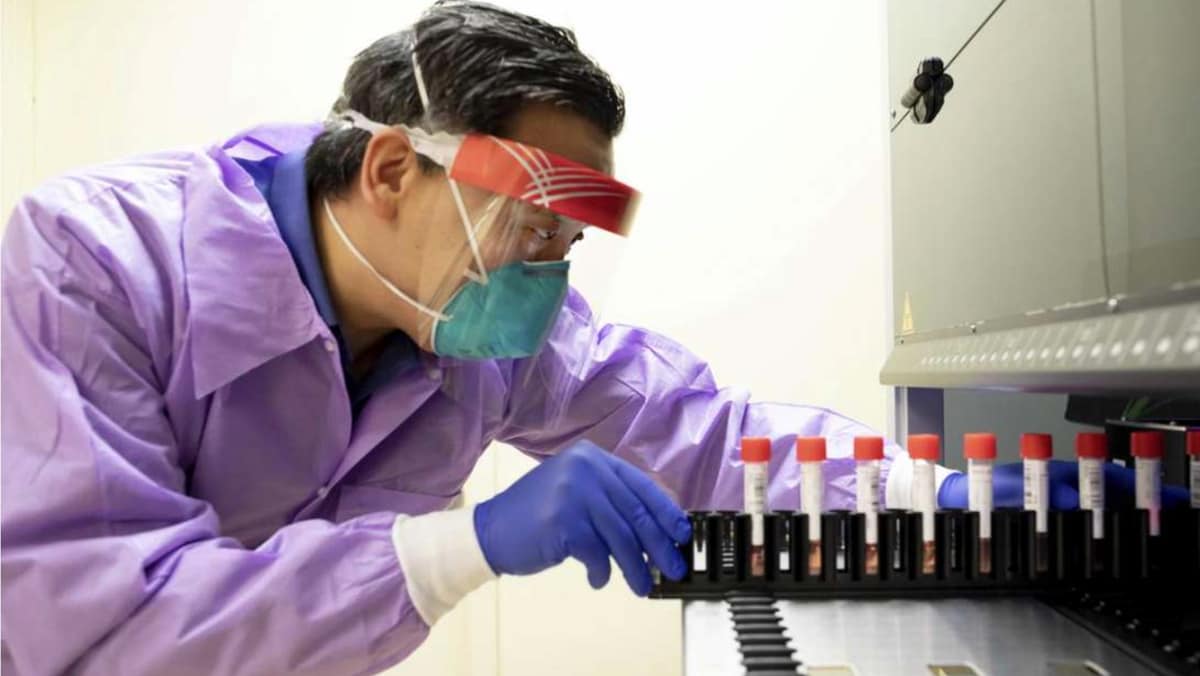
718, 556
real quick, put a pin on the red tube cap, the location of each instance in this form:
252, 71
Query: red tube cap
1146, 444
756, 449
979, 446
1091, 445
1037, 446
868, 448
1193, 442
810, 449
924, 446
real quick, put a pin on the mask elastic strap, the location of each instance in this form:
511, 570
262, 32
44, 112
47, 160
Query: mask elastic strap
423, 95
482, 228
440, 147
360, 121
481, 276
337, 227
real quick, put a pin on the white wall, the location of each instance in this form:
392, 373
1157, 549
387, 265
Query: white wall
758, 138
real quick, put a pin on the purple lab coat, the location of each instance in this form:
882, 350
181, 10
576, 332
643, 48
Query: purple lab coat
185, 489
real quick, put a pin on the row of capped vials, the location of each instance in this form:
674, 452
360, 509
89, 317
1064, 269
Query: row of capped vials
1091, 450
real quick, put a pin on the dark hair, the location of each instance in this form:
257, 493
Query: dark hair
480, 64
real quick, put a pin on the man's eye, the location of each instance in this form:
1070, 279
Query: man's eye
544, 235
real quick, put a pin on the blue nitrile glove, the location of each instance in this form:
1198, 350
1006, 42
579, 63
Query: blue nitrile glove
1008, 484
588, 504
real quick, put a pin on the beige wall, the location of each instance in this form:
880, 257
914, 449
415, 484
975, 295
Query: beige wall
16, 103
758, 139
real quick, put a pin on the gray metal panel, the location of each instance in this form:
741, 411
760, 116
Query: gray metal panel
1061, 173
952, 413
1156, 78
996, 207
919, 411
1156, 348
709, 648
1007, 415
1002, 636
900, 637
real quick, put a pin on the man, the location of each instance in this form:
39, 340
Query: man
243, 384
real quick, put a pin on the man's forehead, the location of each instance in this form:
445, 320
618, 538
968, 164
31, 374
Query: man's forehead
564, 132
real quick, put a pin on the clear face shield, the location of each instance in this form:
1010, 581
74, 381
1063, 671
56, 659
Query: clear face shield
498, 287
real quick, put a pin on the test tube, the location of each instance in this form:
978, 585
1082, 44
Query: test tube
1092, 450
1193, 451
1147, 450
925, 449
868, 451
980, 451
756, 454
810, 452
1036, 451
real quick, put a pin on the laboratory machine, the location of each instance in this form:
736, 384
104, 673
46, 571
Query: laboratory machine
1045, 281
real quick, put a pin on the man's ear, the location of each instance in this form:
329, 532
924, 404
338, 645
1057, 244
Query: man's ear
389, 168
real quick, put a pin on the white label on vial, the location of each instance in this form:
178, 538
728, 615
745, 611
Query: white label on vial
866, 479
979, 494
924, 500
755, 498
1195, 482
1149, 483
1037, 492
1091, 492
699, 556
785, 563
812, 494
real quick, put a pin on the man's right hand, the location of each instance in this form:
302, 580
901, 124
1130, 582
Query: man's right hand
588, 504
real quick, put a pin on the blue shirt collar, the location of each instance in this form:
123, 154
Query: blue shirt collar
281, 180
287, 195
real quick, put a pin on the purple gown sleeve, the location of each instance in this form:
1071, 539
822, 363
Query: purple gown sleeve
109, 567
657, 405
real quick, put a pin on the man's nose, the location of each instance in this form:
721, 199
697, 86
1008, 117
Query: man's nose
554, 250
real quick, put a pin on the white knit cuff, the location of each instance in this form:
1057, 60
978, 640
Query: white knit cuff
442, 562
898, 492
